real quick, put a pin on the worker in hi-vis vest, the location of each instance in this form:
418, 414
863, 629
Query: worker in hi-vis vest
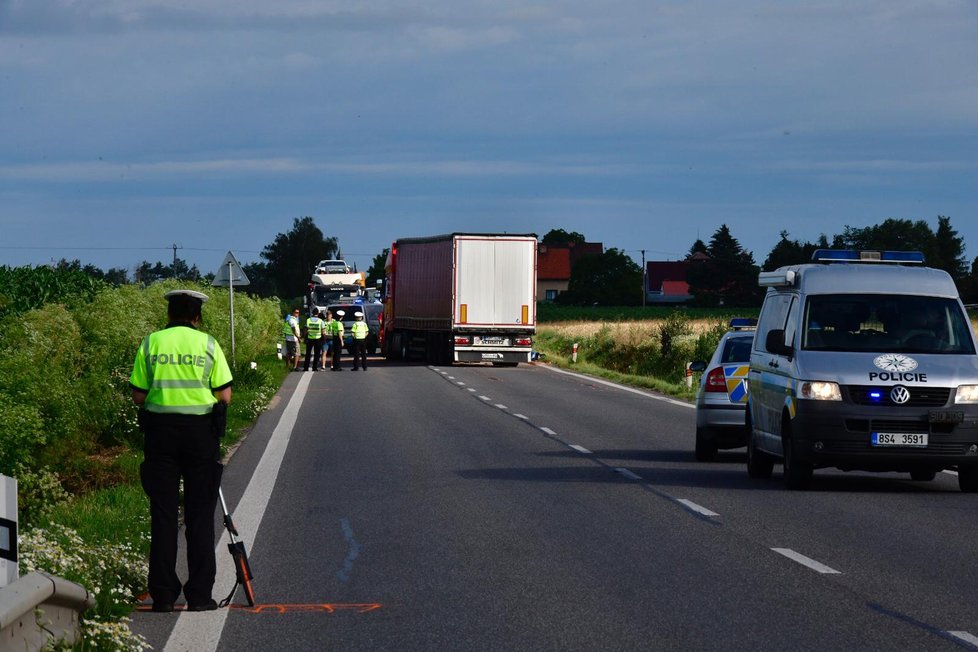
314, 340
360, 330
182, 384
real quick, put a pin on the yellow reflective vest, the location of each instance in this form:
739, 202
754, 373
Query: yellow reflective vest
180, 368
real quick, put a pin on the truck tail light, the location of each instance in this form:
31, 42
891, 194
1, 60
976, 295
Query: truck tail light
461, 340
524, 341
715, 381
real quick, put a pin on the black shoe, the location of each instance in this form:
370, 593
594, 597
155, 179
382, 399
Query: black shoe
210, 605
162, 607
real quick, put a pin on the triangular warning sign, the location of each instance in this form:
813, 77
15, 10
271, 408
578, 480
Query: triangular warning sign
230, 272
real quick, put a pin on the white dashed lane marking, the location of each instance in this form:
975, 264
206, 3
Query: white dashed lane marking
967, 637
628, 474
806, 561
699, 509
580, 449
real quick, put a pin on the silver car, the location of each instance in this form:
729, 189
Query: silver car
721, 399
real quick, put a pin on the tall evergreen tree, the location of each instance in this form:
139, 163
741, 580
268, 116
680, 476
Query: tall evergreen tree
729, 277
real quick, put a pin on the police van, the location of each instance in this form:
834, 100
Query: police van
863, 361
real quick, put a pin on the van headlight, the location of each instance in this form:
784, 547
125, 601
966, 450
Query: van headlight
966, 394
820, 391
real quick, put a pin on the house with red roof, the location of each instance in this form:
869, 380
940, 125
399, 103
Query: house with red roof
555, 262
666, 280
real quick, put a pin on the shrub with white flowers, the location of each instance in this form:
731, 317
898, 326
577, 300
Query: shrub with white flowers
115, 574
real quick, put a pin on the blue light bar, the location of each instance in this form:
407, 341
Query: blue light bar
854, 256
742, 323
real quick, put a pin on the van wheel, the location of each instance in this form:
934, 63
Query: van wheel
923, 475
797, 473
760, 465
968, 479
706, 448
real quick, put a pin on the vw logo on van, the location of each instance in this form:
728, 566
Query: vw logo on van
899, 394
895, 362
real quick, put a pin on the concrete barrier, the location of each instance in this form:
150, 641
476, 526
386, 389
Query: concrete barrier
37, 609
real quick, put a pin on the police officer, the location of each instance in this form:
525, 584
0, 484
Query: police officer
290, 331
314, 340
182, 383
336, 330
359, 329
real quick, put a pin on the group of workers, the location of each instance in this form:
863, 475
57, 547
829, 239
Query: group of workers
322, 337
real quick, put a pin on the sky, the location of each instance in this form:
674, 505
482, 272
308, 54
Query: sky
129, 127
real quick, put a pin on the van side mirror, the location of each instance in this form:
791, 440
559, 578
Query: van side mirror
774, 343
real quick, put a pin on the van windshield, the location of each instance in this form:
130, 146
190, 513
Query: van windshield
886, 323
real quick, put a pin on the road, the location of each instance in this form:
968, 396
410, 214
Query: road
476, 508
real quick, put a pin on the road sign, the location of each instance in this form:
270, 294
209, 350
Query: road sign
230, 272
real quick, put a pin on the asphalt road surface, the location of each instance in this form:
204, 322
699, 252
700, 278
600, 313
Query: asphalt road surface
477, 508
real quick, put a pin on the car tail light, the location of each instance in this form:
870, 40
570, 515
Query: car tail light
715, 381
462, 340
524, 341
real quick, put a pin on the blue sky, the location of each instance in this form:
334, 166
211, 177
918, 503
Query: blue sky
132, 125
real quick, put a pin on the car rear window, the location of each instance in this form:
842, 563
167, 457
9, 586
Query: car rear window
737, 349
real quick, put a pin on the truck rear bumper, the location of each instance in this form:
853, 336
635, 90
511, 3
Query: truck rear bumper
506, 356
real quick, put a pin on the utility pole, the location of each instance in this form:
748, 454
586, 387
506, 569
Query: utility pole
175, 247
643, 278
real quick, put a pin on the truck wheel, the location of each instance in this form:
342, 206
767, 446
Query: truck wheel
706, 448
797, 473
968, 479
760, 465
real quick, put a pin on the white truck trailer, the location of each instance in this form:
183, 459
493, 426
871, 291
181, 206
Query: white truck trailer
461, 297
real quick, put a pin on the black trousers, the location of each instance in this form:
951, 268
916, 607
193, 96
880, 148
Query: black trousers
314, 348
337, 349
360, 353
181, 446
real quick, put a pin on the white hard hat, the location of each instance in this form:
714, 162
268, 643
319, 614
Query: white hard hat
194, 294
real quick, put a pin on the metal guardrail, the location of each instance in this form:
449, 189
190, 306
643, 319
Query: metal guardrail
37, 609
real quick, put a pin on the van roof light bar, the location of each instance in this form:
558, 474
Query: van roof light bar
781, 278
855, 256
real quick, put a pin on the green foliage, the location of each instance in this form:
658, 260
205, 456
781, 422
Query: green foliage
292, 256
551, 312
728, 277
26, 288
378, 267
113, 572
64, 375
560, 236
610, 278
662, 356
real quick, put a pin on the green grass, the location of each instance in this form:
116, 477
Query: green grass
550, 312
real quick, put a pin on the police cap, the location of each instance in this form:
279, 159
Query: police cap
193, 294
340, 313
358, 314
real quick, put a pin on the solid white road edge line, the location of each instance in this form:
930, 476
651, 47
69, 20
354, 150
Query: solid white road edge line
967, 637
201, 631
806, 561
699, 509
608, 383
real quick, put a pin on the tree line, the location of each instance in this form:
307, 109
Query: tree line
720, 272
